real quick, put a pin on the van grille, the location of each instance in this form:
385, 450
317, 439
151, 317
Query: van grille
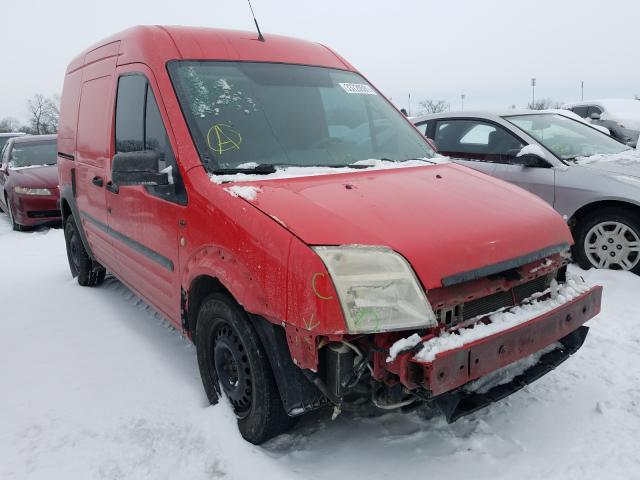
485, 305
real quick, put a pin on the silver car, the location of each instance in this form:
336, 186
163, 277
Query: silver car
621, 116
592, 179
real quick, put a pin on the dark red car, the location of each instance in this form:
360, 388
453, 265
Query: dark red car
278, 209
29, 191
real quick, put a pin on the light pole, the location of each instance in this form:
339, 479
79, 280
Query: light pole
582, 90
462, 101
533, 92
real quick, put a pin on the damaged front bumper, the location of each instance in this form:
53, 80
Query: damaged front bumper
452, 369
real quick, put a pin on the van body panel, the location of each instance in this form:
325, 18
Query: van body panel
92, 155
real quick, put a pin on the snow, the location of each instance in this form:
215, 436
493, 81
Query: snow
403, 344
628, 157
249, 193
504, 320
293, 172
94, 385
532, 149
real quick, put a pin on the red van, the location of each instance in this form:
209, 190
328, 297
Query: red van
274, 206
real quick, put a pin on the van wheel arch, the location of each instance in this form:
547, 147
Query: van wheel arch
200, 288
296, 392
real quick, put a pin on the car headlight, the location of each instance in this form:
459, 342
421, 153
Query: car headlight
377, 288
32, 191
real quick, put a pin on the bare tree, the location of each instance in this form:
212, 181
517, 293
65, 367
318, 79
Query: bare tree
544, 104
433, 106
43, 114
9, 124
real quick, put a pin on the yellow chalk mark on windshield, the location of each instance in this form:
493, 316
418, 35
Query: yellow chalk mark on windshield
222, 138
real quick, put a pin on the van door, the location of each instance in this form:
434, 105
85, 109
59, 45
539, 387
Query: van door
93, 149
144, 220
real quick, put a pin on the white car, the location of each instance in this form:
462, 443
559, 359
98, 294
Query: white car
621, 116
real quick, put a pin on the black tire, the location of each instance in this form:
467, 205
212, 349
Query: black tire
89, 272
603, 217
16, 226
232, 358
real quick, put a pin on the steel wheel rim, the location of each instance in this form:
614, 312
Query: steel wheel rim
74, 251
232, 368
613, 245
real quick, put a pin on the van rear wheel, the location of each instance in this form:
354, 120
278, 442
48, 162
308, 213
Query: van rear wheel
89, 272
232, 361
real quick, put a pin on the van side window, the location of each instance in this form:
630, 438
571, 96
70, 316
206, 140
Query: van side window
139, 127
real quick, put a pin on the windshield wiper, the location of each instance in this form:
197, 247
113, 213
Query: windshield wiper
260, 169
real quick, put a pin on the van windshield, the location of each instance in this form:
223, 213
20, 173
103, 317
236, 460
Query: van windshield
243, 114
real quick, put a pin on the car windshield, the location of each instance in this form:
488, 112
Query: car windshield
34, 154
243, 114
566, 138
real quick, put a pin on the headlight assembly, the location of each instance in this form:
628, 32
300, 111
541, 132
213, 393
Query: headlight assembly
32, 191
378, 289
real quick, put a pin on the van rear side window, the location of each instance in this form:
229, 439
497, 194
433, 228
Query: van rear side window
139, 127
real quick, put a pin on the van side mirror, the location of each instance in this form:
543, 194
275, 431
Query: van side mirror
594, 116
138, 168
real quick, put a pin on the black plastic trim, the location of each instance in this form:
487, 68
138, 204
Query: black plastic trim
460, 403
298, 394
135, 245
66, 156
502, 266
68, 194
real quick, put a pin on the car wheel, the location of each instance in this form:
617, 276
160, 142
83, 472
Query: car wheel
609, 239
16, 226
89, 272
232, 361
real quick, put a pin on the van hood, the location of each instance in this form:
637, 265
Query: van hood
444, 219
36, 177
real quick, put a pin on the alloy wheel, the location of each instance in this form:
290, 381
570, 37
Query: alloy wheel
612, 245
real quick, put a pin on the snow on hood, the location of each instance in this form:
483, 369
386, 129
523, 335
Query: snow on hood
295, 172
627, 158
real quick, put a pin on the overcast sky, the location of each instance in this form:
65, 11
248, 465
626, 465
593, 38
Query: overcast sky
487, 49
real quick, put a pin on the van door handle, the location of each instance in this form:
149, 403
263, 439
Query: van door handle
97, 181
112, 187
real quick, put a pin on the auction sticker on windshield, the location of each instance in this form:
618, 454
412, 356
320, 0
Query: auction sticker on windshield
358, 88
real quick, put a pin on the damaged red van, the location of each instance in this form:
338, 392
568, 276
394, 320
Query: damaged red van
274, 205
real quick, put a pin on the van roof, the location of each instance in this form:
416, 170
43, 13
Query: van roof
155, 45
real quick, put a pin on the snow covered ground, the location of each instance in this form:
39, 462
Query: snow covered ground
94, 384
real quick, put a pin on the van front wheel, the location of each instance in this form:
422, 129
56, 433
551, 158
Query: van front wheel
232, 361
89, 273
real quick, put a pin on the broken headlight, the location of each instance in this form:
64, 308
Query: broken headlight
378, 289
